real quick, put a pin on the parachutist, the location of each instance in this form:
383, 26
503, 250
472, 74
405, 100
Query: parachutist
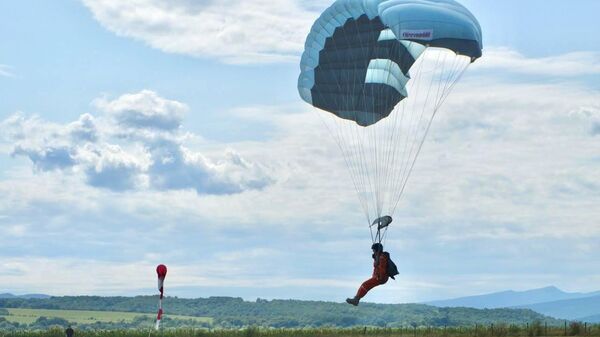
383, 269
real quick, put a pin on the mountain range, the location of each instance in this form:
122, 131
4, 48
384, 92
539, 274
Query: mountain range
585, 309
26, 296
549, 301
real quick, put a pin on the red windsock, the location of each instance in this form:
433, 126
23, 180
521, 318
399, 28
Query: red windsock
161, 271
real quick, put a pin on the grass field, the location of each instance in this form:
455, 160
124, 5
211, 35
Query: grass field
326, 332
28, 316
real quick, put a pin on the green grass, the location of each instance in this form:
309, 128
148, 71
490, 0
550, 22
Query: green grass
28, 316
356, 332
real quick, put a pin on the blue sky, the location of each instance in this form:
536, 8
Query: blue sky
137, 133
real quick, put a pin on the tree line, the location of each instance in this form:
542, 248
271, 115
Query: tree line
231, 312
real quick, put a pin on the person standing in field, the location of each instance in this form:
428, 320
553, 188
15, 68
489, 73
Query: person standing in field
69, 331
380, 274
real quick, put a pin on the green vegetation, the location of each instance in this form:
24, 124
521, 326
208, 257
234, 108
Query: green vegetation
137, 323
227, 312
479, 331
29, 316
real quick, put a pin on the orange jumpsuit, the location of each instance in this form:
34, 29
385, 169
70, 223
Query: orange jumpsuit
379, 277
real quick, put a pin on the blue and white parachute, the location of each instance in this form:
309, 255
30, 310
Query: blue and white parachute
380, 70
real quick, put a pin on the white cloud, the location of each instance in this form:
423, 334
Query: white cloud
505, 162
144, 110
15, 230
84, 129
568, 65
136, 143
80, 276
176, 167
233, 31
47, 158
6, 71
256, 31
110, 166
74, 276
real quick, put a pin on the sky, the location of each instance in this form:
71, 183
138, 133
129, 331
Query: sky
140, 132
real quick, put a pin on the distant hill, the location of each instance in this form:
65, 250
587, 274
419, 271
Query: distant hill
510, 298
231, 312
585, 309
26, 296
591, 319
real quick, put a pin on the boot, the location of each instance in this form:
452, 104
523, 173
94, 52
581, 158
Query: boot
354, 301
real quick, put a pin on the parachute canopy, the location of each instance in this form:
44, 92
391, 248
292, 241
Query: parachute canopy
359, 52
378, 71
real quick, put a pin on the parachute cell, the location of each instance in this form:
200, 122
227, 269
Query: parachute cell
358, 53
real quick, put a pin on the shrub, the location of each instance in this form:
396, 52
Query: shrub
575, 328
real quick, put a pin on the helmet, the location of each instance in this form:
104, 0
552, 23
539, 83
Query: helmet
378, 247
